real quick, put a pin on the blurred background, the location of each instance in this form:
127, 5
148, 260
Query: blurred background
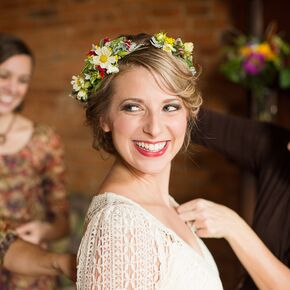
60, 32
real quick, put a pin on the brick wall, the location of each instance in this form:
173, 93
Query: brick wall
61, 32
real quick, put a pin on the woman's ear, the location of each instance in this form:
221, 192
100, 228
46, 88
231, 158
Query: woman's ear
104, 125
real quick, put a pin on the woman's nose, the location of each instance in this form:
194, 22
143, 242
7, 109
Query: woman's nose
153, 125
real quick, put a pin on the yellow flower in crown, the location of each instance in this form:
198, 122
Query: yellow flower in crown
169, 40
176, 47
168, 43
168, 47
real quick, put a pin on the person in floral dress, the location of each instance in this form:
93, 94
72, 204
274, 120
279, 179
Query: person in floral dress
33, 200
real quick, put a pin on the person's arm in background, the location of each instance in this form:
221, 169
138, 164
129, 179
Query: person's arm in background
261, 148
212, 220
244, 141
28, 259
25, 258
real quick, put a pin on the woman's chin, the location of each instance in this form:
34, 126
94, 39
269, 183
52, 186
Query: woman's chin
6, 108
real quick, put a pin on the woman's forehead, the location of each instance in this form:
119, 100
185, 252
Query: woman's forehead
140, 81
141, 85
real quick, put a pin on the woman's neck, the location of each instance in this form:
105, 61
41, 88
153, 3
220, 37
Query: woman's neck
5, 120
15, 133
140, 187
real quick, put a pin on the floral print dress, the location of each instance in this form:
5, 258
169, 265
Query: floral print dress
32, 188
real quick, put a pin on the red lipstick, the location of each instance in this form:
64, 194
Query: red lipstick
149, 153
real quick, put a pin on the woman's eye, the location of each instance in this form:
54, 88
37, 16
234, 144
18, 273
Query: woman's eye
24, 81
3, 76
131, 108
171, 107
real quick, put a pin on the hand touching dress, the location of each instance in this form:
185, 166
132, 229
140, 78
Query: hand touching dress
217, 221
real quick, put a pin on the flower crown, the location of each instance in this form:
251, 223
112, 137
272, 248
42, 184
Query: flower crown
102, 60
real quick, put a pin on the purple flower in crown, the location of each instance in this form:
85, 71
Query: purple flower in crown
254, 63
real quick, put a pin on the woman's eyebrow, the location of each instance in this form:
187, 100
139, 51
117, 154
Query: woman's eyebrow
139, 100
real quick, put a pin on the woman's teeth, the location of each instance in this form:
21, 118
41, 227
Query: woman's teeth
6, 99
151, 147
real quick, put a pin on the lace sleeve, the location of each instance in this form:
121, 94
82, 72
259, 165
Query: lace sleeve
118, 251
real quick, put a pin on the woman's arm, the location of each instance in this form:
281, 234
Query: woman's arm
251, 144
28, 259
24, 258
217, 221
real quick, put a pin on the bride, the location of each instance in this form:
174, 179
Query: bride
141, 97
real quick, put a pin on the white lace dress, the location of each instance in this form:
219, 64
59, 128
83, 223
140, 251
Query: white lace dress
125, 247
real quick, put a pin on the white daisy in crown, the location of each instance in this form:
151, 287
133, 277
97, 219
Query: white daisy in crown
104, 58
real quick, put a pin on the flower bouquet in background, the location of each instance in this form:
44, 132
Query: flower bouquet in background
259, 64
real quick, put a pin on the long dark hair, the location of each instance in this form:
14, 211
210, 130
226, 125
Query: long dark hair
11, 45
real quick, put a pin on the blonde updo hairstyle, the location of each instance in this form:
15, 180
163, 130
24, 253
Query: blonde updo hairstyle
175, 77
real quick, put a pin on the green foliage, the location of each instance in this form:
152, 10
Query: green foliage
284, 79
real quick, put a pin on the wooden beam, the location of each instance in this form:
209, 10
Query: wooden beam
256, 18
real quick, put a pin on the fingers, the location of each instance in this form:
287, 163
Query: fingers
29, 232
207, 217
194, 209
200, 228
187, 206
206, 228
188, 215
194, 204
203, 233
23, 229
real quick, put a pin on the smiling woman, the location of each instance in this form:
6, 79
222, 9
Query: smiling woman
141, 108
15, 75
145, 121
32, 195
